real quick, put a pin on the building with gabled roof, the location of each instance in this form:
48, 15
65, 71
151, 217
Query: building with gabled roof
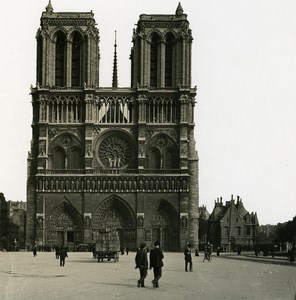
231, 226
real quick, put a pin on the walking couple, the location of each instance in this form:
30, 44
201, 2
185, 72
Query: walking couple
155, 258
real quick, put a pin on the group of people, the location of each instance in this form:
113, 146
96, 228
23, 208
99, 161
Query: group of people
155, 261
60, 253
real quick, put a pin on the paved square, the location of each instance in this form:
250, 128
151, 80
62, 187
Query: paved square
23, 277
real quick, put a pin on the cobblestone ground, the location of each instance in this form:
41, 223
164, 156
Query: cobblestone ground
23, 277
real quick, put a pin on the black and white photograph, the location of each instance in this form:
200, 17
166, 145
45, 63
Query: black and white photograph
148, 149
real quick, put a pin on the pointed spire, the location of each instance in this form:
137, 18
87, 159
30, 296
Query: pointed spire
179, 10
115, 79
49, 8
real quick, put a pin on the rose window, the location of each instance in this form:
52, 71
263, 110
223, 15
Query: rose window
114, 152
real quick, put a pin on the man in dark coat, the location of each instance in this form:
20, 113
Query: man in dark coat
156, 257
142, 263
63, 255
187, 257
34, 250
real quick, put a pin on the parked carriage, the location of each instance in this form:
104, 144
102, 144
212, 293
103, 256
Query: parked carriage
107, 246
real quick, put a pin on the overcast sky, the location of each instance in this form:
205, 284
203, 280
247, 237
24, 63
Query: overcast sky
244, 66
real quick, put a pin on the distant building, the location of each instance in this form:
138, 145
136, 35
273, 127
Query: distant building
203, 225
3, 222
17, 216
232, 226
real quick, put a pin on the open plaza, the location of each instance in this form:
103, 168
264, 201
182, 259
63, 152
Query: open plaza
228, 276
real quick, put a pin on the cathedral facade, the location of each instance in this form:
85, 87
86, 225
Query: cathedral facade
120, 159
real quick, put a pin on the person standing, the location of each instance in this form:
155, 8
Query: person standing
57, 252
218, 251
34, 250
142, 263
187, 257
156, 257
63, 255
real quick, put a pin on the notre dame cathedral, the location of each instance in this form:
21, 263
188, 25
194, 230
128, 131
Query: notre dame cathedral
113, 158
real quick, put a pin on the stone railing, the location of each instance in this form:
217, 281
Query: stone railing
74, 172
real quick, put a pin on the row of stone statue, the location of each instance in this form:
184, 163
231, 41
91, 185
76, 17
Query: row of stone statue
113, 184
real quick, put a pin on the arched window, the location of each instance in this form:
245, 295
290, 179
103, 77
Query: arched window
169, 41
154, 159
168, 160
59, 159
76, 60
74, 161
39, 59
154, 59
60, 60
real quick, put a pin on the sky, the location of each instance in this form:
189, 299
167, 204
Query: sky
244, 67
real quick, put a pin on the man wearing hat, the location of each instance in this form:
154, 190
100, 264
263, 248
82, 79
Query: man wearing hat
142, 264
156, 257
188, 258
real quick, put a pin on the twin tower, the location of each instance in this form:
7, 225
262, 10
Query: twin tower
113, 160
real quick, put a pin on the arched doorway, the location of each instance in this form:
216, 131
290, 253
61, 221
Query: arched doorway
114, 217
65, 226
162, 219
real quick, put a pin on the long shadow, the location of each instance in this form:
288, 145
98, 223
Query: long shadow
15, 274
128, 285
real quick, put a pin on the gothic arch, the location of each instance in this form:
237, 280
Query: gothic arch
154, 59
163, 222
169, 159
113, 213
70, 145
169, 40
75, 158
65, 208
161, 213
55, 31
154, 32
40, 39
74, 30
170, 32
60, 58
114, 218
153, 158
64, 225
58, 158
167, 148
77, 58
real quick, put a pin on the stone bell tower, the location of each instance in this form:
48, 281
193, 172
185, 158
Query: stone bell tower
116, 159
161, 68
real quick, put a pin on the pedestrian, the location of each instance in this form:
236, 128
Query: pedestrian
94, 251
187, 257
218, 251
122, 250
34, 249
127, 250
142, 263
63, 255
155, 259
57, 252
